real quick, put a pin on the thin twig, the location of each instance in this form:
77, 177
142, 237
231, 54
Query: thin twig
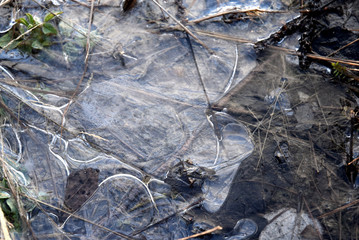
202, 233
85, 67
354, 160
184, 27
313, 220
199, 73
209, 105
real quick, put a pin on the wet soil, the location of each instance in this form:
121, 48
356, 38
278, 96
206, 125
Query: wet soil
300, 161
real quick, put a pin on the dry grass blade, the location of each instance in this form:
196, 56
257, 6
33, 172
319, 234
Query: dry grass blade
94, 136
202, 233
9, 111
317, 57
352, 42
13, 186
4, 228
190, 206
274, 105
81, 3
31, 89
20, 36
223, 36
249, 11
4, 2
339, 209
313, 152
334, 60
312, 218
